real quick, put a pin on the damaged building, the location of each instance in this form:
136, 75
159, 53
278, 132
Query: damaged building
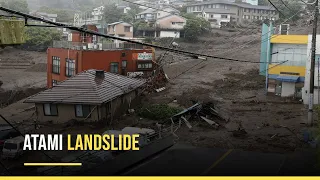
89, 96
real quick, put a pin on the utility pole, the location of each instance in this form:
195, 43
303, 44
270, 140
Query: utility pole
313, 59
268, 56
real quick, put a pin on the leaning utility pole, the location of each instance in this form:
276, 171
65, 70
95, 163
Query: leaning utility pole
313, 59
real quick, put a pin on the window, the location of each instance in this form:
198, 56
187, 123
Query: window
124, 64
173, 23
54, 82
194, 8
127, 29
55, 65
70, 67
144, 65
224, 16
123, 54
82, 110
114, 67
50, 110
211, 15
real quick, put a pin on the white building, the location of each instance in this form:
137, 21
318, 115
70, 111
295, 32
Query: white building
216, 17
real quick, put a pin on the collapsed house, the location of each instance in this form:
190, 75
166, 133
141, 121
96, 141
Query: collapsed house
88, 96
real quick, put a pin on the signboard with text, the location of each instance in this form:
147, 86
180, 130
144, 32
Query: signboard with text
144, 56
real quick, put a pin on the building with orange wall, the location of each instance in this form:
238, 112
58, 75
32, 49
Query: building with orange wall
84, 37
63, 63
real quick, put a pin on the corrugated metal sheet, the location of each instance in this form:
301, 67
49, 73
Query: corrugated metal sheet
85, 88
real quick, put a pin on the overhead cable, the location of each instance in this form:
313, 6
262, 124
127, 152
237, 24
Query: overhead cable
191, 54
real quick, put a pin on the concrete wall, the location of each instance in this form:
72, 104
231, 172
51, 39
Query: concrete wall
288, 89
264, 49
169, 34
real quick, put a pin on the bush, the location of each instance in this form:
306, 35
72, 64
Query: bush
158, 111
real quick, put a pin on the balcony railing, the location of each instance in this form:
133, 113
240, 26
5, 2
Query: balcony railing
97, 46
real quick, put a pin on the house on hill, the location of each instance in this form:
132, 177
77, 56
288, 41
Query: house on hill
89, 96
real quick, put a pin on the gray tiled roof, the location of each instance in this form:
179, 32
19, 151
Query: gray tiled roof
244, 5
85, 88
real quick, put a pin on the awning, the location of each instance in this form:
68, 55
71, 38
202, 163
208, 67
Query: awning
292, 79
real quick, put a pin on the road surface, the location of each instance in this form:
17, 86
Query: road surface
193, 161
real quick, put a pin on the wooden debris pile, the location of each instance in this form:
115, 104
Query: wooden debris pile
202, 112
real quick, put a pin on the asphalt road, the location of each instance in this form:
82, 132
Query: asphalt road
192, 161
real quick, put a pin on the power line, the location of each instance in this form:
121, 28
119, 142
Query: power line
191, 54
276, 8
286, 5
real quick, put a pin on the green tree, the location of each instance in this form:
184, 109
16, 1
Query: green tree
112, 14
63, 14
17, 5
36, 36
130, 15
194, 27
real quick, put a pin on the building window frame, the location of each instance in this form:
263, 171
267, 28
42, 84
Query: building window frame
53, 108
124, 64
223, 16
56, 64
127, 28
113, 69
144, 65
70, 67
85, 111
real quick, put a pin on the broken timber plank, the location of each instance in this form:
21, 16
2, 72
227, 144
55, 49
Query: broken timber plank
209, 121
187, 122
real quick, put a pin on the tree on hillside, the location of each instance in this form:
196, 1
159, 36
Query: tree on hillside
63, 14
17, 5
194, 27
112, 14
130, 15
41, 37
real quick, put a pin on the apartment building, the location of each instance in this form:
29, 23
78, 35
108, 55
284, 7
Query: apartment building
154, 14
239, 12
63, 63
